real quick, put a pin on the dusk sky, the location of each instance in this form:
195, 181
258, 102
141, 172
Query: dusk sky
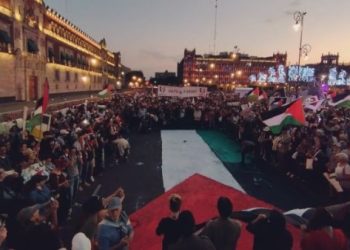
152, 34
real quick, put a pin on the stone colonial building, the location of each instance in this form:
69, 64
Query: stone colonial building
224, 69
37, 42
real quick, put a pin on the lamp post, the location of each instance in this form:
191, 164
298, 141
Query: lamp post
299, 24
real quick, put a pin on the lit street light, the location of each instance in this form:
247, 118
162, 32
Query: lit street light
93, 62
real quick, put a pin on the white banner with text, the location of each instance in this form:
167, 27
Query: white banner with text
182, 92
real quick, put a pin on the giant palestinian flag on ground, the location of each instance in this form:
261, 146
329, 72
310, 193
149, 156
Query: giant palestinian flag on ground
290, 114
201, 166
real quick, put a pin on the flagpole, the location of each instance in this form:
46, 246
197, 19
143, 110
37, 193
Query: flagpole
44, 106
25, 114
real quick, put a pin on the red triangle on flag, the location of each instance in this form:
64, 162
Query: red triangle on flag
199, 195
297, 111
256, 92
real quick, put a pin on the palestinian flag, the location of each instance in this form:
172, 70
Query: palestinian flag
42, 103
313, 103
256, 94
200, 166
290, 114
33, 125
341, 100
106, 92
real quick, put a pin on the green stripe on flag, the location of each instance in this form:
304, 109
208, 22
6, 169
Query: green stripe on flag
345, 104
35, 121
288, 120
225, 148
104, 93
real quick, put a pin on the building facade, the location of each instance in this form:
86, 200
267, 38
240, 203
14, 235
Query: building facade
227, 68
164, 78
331, 71
37, 43
134, 79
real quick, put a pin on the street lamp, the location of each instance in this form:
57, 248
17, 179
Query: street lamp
299, 24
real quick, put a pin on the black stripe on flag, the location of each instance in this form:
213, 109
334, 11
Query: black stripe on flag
275, 112
39, 103
341, 96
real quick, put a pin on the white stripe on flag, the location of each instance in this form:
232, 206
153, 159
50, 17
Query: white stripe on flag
184, 153
276, 120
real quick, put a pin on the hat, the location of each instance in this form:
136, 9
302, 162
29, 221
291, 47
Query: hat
25, 214
79, 242
93, 205
115, 203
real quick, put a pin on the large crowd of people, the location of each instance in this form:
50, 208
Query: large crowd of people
40, 179
180, 231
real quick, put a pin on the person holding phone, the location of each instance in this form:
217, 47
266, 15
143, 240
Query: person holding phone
115, 231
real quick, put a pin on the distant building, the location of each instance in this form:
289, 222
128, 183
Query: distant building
37, 42
225, 68
122, 74
164, 78
331, 71
165, 74
134, 79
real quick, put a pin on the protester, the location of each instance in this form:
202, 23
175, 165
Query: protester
83, 142
270, 232
93, 212
37, 228
345, 226
169, 226
319, 233
123, 147
115, 231
342, 171
188, 239
38, 191
224, 232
